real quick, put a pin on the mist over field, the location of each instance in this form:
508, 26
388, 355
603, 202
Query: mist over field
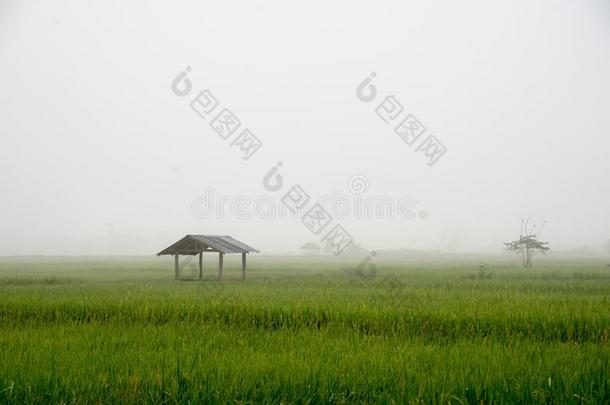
321, 202
99, 156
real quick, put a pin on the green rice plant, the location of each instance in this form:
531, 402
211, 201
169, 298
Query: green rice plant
301, 330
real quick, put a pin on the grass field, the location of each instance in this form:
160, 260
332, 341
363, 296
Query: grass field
305, 330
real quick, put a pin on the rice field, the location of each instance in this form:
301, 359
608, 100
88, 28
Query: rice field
433, 329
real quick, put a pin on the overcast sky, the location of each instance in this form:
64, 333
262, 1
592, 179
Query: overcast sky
99, 156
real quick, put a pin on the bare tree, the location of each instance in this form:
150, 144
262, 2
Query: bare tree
527, 244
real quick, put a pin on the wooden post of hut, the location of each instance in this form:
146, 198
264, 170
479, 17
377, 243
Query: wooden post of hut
200, 265
176, 262
199, 244
220, 264
243, 266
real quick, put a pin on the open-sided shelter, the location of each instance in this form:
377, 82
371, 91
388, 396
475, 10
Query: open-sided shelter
199, 244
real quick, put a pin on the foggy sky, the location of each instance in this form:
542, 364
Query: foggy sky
99, 156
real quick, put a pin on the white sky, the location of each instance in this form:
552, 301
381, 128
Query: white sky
98, 156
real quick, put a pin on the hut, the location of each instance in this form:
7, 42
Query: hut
199, 244
311, 248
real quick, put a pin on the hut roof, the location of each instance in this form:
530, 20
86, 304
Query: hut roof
195, 244
310, 246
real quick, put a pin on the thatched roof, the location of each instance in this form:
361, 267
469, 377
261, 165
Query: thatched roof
195, 244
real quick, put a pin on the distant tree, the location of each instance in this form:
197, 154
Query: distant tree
527, 244
608, 245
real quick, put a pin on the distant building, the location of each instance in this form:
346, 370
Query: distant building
311, 249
